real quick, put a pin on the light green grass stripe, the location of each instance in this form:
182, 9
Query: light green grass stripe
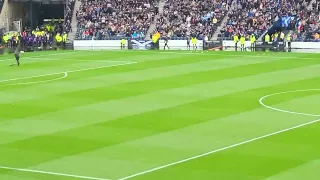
165, 99
185, 142
144, 61
206, 90
15, 93
32, 67
307, 170
257, 160
174, 97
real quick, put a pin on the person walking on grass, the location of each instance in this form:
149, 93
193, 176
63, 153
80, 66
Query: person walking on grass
17, 55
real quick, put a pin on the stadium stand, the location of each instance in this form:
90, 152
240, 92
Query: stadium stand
253, 16
115, 19
108, 19
199, 17
308, 28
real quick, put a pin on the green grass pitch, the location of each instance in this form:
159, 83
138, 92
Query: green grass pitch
144, 115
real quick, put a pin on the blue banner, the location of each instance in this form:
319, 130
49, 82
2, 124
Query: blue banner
285, 21
141, 44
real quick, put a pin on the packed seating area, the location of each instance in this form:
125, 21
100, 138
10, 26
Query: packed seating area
308, 28
115, 19
250, 16
192, 17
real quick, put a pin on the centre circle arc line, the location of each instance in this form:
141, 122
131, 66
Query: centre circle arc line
287, 111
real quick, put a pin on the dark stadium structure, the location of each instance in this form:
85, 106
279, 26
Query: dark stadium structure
35, 11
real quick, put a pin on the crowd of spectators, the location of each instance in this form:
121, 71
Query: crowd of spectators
257, 16
308, 28
192, 17
114, 19
68, 15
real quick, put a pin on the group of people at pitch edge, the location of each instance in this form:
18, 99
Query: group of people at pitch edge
40, 38
157, 36
273, 38
242, 39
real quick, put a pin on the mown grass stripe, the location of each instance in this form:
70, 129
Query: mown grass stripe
171, 119
105, 134
66, 100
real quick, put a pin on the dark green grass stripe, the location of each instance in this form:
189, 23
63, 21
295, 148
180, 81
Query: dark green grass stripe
72, 99
78, 98
276, 155
153, 63
101, 135
284, 97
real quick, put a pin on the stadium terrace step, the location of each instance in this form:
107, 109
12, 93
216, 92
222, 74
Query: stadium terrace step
223, 22
161, 6
152, 28
153, 25
217, 32
74, 23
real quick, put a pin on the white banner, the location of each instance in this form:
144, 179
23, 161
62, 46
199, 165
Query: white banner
97, 44
305, 45
179, 44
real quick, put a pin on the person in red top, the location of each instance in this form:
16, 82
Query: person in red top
91, 31
86, 33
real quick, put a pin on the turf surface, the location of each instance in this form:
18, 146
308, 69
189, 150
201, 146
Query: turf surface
110, 115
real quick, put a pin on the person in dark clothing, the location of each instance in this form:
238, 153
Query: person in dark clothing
17, 54
166, 42
188, 43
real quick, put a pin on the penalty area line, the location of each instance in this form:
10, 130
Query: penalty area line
51, 173
36, 82
219, 150
66, 73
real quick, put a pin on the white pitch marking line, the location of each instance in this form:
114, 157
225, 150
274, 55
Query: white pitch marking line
241, 143
52, 173
29, 77
36, 82
286, 111
95, 60
100, 67
218, 150
71, 71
